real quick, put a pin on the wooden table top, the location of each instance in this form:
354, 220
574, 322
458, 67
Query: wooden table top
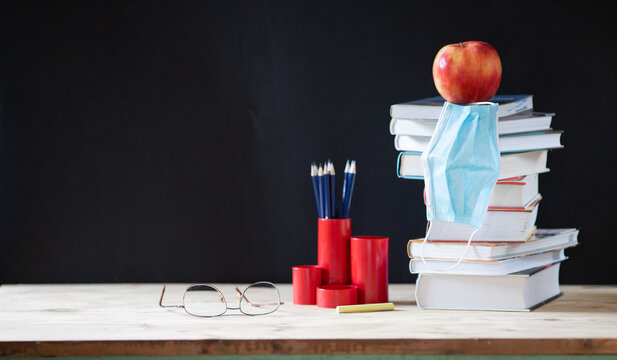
125, 319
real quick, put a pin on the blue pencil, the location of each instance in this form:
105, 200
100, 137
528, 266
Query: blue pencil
326, 174
320, 189
345, 190
315, 187
333, 191
326, 192
344, 197
352, 180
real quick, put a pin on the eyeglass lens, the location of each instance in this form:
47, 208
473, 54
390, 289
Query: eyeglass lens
260, 298
204, 300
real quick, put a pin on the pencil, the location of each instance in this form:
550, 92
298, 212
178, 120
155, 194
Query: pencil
333, 191
315, 187
320, 190
326, 191
344, 192
350, 183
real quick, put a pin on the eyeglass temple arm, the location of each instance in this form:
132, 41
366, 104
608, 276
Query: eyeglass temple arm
241, 294
168, 306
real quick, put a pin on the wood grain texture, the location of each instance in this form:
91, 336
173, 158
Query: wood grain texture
124, 319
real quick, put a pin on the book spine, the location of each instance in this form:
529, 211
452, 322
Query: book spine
409, 243
398, 167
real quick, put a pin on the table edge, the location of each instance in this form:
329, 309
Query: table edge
524, 346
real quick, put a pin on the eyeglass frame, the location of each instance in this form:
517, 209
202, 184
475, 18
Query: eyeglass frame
240, 295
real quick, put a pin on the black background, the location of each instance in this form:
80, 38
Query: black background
171, 141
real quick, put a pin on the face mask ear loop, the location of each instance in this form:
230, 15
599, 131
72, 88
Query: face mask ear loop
459, 259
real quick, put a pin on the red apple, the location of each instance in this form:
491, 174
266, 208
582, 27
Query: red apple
467, 72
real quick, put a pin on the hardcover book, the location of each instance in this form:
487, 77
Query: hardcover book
542, 240
507, 143
430, 108
522, 291
515, 192
527, 121
499, 226
488, 267
511, 165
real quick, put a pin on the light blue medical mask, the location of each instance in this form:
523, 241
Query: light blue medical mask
461, 165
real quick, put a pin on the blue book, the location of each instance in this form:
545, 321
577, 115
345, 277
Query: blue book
430, 108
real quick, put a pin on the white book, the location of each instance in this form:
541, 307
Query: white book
523, 291
493, 267
542, 240
514, 192
430, 108
527, 121
499, 226
507, 143
511, 165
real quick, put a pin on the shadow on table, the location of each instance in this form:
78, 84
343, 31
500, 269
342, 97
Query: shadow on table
595, 299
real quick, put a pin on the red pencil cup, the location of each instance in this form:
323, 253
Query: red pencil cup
305, 279
333, 250
369, 268
331, 296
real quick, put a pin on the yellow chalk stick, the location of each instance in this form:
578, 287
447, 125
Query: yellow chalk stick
364, 308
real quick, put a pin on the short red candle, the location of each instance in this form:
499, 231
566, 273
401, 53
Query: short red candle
331, 296
333, 250
369, 268
305, 279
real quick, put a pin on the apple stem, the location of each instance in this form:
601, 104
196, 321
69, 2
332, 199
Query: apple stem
461, 44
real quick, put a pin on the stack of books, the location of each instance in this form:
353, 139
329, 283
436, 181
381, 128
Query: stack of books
510, 265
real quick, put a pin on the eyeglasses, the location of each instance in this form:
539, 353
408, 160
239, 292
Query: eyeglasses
205, 300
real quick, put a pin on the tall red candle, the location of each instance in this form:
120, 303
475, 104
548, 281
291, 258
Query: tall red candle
333, 250
369, 268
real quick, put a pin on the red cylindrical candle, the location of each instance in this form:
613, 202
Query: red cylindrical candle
305, 279
331, 296
369, 268
333, 250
